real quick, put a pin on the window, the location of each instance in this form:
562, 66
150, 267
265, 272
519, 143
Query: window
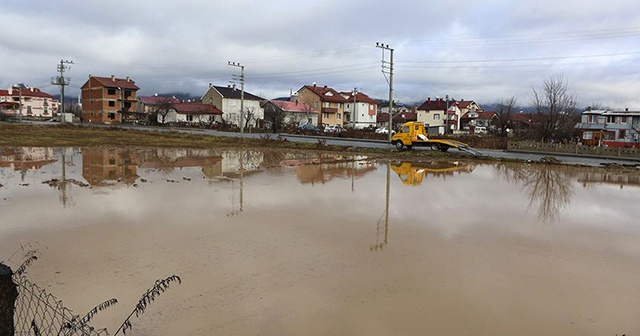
338, 116
325, 104
111, 92
436, 117
46, 101
405, 129
127, 105
371, 107
611, 119
623, 120
29, 109
112, 103
189, 117
315, 104
127, 93
621, 134
112, 116
325, 115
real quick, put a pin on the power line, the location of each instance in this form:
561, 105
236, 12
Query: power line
523, 39
526, 59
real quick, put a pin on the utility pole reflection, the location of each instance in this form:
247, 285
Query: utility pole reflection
241, 182
379, 246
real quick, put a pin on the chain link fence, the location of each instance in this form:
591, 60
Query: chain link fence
40, 313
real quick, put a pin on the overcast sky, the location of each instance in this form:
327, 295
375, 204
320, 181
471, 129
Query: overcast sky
480, 50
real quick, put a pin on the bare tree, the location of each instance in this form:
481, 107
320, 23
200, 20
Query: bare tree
162, 108
506, 108
308, 112
249, 116
556, 108
274, 113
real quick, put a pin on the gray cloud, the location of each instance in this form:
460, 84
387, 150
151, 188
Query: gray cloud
481, 50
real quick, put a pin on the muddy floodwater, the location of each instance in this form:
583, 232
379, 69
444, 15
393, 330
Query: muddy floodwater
278, 243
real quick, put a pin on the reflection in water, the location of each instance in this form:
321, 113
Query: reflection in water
413, 173
23, 159
610, 177
325, 168
313, 248
548, 187
109, 166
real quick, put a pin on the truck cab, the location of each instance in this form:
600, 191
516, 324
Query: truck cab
410, 133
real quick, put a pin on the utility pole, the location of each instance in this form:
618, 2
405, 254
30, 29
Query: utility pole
353, 114
62, 81
19, 86
446, 113
387, 69
241, 79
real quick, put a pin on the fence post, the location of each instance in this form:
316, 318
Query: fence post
8, 296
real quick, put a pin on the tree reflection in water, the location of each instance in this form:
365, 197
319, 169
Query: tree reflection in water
548, 187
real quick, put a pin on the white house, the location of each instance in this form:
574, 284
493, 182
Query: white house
360, 110
228, 99
191, 113
35, 103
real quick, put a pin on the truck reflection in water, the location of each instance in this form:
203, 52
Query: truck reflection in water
413, 173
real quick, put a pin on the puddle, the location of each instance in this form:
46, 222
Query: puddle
277, 243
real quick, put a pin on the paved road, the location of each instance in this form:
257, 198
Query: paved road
383, 144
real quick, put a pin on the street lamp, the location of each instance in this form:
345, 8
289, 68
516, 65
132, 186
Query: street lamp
19, 86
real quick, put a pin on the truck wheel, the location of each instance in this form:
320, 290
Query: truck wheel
435, 147
398, 144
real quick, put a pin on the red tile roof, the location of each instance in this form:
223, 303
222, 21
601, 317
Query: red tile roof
290, 106
114, 82
464, 103
26, 92
399, 118
481, 115
155, 100
196, 108
326, 93
437, 104
360, 97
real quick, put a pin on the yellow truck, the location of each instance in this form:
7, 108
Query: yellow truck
414, 133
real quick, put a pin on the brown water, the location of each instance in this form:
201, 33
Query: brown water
274, 243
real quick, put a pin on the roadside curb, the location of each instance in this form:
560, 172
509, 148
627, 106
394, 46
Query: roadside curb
618, 158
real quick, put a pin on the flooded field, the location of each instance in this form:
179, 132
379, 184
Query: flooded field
276, 243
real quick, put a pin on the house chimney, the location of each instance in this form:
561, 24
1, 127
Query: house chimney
314, 85
325, 86
210, 85
429, 100
113, 78
128, 79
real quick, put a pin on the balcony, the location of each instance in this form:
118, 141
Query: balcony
329, 110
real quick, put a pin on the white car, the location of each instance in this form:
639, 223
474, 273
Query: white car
333, 129
384, 130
